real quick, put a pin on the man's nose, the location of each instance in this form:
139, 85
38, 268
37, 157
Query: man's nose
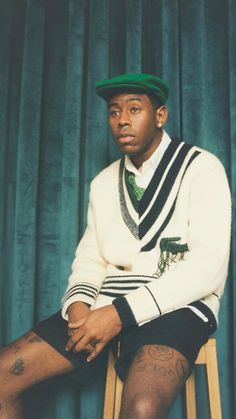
124, 119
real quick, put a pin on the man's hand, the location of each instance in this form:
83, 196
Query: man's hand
76, 311
94, 331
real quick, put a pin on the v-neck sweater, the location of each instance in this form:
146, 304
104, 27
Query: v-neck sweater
171, 251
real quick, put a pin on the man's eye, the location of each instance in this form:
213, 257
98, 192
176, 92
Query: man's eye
114, 113
135, 109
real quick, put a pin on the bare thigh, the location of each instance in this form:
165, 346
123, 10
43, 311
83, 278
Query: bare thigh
28, 361
156, 375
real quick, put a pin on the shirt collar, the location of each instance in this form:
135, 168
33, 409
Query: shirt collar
153, 161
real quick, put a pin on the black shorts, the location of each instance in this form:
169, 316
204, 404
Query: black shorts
182, 330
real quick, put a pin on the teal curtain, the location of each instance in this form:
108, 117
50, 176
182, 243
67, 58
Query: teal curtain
54, 139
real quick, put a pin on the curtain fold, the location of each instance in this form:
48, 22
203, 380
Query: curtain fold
5, 41
232, 172
55, 139
27, 166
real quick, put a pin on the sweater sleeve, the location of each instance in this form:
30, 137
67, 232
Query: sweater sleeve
87, 269
204, 266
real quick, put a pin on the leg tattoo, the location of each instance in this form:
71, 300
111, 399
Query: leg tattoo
16, 348
161, 353
152, 360
35, 338
32, 337
18, 367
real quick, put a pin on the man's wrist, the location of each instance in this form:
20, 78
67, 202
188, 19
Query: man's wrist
77, 304
116, 315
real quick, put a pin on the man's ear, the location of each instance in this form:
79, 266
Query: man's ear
161, 116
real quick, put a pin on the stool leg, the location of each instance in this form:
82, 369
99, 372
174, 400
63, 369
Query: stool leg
119, 387
213, 381
109, 400
191, 397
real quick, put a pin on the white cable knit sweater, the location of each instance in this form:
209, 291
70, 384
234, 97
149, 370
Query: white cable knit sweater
170, 253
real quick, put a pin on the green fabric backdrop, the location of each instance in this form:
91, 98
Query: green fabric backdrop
54, 139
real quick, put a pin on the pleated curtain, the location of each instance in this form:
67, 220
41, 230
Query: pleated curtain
54, 139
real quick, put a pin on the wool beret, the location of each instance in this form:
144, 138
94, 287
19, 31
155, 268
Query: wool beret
144, 83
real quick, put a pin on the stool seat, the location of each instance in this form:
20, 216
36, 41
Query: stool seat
207, 356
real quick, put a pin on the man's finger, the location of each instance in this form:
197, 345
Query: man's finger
75, 338
78, 323
82, 344
90, 347
71, 332
96, 351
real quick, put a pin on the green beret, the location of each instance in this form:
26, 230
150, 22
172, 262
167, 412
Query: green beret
144, 83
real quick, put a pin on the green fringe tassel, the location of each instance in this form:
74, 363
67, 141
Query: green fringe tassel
171, 252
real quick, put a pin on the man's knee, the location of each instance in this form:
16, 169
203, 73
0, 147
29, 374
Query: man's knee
145, 406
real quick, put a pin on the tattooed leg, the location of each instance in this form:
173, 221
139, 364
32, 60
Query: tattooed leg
154, 379
24, 363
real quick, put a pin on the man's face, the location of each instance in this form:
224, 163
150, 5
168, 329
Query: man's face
133, 121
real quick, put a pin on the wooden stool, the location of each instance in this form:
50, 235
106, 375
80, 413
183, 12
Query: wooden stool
206, 356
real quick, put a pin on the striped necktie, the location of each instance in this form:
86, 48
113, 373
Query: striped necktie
137, 190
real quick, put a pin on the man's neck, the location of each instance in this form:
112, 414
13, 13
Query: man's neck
139, 159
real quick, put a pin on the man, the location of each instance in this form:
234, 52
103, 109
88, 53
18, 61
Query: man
150, 269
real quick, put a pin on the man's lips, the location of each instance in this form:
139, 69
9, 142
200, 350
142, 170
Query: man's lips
125, 138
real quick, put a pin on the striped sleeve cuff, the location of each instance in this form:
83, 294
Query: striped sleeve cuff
124, 311
84, 292
137, 307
